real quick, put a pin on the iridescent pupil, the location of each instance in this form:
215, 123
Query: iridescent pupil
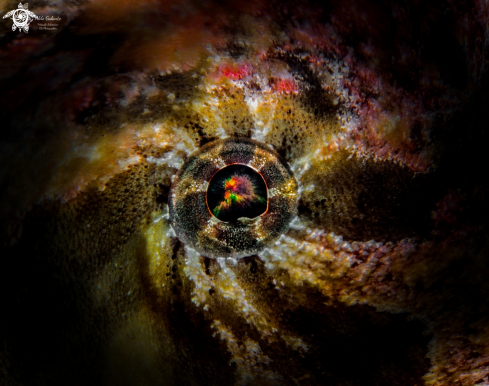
237, 191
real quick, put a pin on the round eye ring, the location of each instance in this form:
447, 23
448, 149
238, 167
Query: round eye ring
232, 198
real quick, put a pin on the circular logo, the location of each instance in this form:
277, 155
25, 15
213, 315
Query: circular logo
21, 17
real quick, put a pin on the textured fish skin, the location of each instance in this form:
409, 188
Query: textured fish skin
379, 109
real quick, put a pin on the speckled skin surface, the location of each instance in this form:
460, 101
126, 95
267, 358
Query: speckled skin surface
378, 108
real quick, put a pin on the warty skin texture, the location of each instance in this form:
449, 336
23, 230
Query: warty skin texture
378, 109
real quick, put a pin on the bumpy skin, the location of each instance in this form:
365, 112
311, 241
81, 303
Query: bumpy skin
195, 225
378, 108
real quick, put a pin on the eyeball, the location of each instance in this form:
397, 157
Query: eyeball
232, 198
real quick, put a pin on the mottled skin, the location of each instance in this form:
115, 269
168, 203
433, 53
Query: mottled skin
380, 111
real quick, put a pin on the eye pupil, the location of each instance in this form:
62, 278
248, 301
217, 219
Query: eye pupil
237, 191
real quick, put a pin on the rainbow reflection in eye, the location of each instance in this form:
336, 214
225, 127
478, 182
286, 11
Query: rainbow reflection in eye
237, 191
232, 198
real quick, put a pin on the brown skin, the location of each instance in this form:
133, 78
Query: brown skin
87, 297
64, 332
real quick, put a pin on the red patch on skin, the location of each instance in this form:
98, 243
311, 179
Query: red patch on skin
235, 72
286, 86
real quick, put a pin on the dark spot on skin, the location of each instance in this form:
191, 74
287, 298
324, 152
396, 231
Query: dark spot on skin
235, 49
204, 138
162, 194
207, 264
175, 247
303, 209
253, 266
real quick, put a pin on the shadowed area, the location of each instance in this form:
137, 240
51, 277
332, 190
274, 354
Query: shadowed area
363, 199
85, 311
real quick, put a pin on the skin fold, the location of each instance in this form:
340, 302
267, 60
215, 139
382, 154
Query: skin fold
379, 111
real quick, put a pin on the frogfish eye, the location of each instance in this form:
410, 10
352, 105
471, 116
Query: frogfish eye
232, 198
